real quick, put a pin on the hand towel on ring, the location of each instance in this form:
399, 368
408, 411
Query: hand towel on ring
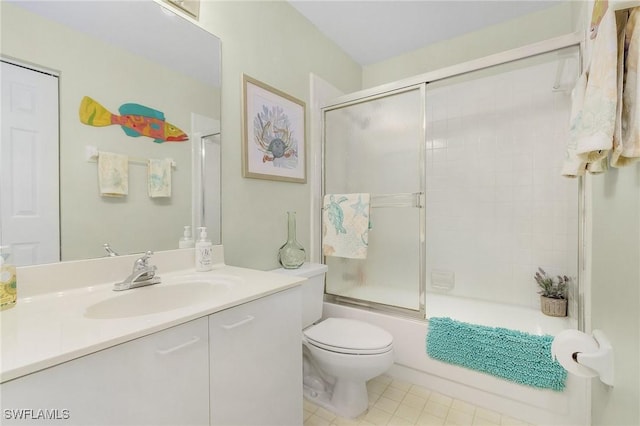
159, 177
113, 174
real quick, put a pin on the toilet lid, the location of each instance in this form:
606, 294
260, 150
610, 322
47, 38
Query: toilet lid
349, 336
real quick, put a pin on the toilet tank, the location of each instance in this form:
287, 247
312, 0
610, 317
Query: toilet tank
312, 290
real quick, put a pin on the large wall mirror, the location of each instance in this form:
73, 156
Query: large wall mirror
56, 53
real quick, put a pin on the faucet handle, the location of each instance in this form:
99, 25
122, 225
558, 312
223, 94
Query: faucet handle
142, 262
109, 250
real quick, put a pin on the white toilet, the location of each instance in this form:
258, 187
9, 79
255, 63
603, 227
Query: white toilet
339, 354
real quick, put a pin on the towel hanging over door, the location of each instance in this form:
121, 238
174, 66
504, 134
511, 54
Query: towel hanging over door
626, 148
605, 116
345, 225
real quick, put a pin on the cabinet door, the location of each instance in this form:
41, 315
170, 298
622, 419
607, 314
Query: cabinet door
256, 362
159, 379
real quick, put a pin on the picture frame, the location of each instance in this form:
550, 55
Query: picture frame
273, 133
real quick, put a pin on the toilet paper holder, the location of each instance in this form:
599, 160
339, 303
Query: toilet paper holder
600, 361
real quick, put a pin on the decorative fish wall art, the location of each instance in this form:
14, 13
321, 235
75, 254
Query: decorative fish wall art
136, 120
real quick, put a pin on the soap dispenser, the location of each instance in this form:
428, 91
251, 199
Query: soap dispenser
186, 241
204, 261
8, 279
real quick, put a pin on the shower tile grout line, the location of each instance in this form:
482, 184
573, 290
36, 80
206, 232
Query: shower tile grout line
398, 403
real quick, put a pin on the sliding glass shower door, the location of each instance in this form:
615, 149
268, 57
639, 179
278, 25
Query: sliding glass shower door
464, 173
376, 146
497, 205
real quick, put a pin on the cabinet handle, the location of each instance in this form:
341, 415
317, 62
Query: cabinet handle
249, 318
194, 339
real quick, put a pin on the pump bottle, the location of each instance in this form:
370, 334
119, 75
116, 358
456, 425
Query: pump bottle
186, 241
204, 261
8, 279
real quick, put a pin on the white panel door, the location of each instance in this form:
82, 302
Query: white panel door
29, 196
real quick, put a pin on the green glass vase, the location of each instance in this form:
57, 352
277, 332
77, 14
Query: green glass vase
291, 255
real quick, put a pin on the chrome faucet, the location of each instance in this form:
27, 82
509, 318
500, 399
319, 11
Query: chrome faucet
143, 274
109, 250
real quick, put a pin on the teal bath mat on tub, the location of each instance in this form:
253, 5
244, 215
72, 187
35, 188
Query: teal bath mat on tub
513, 355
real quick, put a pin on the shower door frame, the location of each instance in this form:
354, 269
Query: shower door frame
575, 39
421, 311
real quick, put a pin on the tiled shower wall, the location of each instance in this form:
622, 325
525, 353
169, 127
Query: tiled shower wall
496, 205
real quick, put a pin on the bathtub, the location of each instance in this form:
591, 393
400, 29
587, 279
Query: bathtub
541, 407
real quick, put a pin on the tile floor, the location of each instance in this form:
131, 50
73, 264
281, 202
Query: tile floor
398, 403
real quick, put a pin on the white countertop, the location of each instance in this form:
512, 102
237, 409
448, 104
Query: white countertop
51, 328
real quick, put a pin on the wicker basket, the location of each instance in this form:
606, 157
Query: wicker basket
553, 307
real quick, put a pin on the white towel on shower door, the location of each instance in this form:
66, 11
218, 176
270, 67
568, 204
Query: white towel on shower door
345, 225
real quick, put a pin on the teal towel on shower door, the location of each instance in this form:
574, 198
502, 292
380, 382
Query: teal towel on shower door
509, 354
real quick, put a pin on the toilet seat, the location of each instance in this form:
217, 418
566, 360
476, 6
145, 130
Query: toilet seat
348, 336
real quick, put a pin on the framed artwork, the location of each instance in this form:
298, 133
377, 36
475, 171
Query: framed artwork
273, 133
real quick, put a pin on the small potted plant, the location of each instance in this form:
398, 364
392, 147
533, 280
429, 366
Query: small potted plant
553, 293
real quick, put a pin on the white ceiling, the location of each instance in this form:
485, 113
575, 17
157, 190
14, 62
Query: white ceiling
144, 28
372, 31
367, 30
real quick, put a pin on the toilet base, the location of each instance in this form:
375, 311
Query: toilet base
338, 381
345, 398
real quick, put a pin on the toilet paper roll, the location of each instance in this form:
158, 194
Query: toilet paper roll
568, 342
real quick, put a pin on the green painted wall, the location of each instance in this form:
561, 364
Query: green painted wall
615, 291
273, 43
538, 26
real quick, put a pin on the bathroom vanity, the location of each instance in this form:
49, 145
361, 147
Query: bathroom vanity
229, 355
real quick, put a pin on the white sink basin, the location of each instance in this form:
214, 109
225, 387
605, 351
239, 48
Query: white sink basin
177, 292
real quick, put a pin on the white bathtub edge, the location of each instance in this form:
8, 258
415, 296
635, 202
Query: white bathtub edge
543, 407
485, 399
